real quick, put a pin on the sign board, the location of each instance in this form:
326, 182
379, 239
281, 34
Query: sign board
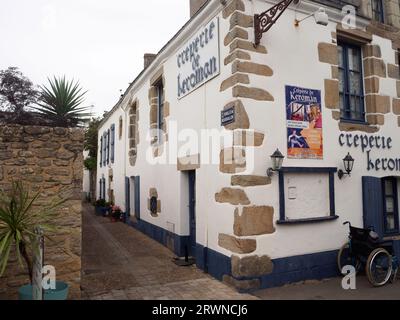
198, 60
228, 116
304, 123
37, 264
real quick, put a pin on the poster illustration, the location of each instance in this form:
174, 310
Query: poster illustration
304, 123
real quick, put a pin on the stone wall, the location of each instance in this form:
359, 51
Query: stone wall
46, 159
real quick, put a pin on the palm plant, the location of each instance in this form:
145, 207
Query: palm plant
61, 102
19, 219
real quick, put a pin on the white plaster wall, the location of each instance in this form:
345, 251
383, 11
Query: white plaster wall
120, 156
293, 55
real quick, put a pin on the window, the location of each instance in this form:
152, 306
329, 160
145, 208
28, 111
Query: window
351, 83
120, 127
133, 133
112, 142
160, 109
108, 146
104, 149
390, 206
377, 11
101, 152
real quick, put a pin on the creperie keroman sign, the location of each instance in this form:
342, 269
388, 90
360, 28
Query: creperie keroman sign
367, 144
198, 60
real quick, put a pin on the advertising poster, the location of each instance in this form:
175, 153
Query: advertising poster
304, 123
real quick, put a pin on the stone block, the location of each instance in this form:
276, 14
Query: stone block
232, 160
235, 5
255, 220
239, 91
241, 117
328, 53
251, 266
232, 196
237, 245
250, 181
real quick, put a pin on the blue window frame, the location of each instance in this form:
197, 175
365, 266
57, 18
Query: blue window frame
351, 88
282, 205
101, 152
378, 13
390, 206
108, 146
112, 143
104, 149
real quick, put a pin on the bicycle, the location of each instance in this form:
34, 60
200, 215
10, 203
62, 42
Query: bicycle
364, 248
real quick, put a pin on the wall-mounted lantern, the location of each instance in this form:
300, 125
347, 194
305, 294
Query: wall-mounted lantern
348, 163
277, 161
264, 21
320, 17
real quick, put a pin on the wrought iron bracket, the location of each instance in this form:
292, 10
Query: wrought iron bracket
264, 21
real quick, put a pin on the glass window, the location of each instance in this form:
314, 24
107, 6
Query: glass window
390, 204
160, 109
377, 11
351, 87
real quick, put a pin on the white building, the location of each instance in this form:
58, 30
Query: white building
314, 91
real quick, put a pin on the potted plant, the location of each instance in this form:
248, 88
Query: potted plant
116, 213
20, 216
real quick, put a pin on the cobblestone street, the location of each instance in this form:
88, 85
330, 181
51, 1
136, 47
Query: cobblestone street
119, 262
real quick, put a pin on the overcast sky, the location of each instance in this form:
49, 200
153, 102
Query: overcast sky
101, 43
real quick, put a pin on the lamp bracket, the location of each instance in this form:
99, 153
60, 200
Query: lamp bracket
264, 21
342, 174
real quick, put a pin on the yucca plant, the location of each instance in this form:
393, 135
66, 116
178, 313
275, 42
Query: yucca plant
61, 102
19, 218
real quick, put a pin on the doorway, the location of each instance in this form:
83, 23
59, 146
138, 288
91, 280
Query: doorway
192, 212
132, 193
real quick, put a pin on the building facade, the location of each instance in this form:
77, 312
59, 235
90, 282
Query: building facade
316, 90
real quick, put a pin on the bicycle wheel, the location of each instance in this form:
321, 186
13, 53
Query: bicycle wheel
345, 258
379, 267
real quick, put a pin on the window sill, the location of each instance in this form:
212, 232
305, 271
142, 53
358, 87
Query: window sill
360, 122
307, 221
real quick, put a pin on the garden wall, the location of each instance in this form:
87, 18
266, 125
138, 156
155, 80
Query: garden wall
47, 159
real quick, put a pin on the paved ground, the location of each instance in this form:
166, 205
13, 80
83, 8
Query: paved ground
332, 290
119, 262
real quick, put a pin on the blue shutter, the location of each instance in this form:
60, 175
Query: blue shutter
104, 148
396, 248
127, 197
108, 146
373, 204
137, 197
100, 187
112, 142
101, 152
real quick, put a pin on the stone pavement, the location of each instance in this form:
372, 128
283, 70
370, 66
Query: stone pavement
119, 262
331, 289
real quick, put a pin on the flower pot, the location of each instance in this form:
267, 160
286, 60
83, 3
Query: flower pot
99, 211
60, 293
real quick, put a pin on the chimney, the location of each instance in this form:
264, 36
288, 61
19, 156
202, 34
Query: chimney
148, 59
195, 6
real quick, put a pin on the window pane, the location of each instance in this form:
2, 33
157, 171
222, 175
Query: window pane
355, 83
341, 80
389, 205
388, 187
354, 59
340, 53
390, 222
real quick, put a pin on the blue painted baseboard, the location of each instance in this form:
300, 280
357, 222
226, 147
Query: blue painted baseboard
315, 266
287, 270
161, 235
